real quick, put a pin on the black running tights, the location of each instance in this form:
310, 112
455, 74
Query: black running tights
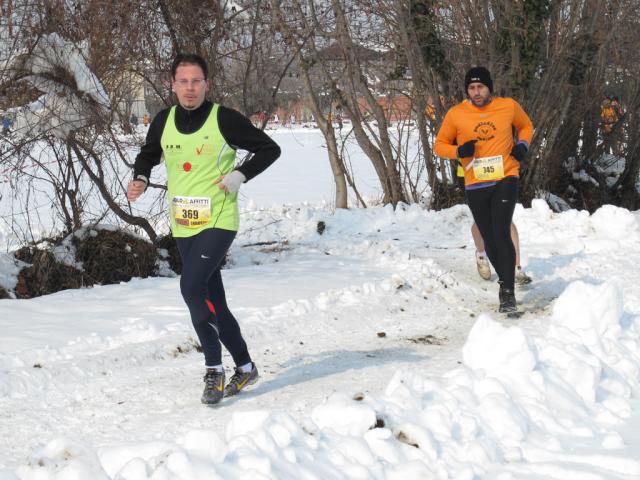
203, 292
492, 209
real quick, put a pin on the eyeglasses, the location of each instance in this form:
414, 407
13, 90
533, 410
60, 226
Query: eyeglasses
183, 82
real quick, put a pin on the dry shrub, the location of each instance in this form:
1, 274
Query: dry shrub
114, 256
591, 197
446, 196
45, 274
106, 256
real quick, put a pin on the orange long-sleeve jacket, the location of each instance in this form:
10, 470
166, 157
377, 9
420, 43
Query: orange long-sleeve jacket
491, 126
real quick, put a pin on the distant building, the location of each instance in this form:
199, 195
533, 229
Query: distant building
133, 102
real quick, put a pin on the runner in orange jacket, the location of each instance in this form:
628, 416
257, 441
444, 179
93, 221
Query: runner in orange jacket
479, 131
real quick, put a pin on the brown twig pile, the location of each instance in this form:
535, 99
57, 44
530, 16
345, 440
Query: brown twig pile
102, 257
45, 274
114, 256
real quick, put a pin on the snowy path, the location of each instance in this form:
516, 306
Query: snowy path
311, 335
114, 367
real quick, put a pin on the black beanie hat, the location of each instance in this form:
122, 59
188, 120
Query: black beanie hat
478, 74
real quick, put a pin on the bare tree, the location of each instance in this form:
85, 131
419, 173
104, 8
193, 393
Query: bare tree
364, 59
299, 24
80, 78
558, 59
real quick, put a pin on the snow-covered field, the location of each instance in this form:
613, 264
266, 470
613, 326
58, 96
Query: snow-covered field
380, 352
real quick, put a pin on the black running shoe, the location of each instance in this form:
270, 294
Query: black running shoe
213, 386
507, 300
240, 379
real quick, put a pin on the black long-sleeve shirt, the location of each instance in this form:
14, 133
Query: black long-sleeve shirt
237, 130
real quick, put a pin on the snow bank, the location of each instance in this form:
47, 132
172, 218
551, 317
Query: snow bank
518, 392
506, 407
9, 269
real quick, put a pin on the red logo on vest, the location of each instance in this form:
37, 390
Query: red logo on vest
186, 166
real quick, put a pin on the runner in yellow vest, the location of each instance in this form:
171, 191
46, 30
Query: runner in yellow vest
198, 141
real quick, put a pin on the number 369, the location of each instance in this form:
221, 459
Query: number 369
191, 214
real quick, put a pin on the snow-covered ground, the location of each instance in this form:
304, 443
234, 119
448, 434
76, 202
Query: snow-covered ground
380, 352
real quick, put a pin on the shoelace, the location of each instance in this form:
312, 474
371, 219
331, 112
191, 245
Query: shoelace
236, 379
211, 379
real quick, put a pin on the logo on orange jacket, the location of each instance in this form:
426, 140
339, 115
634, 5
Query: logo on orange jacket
485, 131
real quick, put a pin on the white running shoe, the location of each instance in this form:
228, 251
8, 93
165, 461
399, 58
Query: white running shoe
521, 277
482, 262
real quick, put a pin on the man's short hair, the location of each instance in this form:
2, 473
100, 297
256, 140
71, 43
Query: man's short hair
190, 59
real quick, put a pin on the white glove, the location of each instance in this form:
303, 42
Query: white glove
232, 181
